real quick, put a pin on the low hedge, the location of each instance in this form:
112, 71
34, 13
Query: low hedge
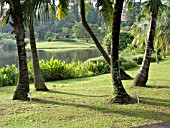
124, 63
139, 58
55, 69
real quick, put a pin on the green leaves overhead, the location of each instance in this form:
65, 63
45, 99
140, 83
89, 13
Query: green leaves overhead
4, 20
37, 8
152, 6
62, 9
106, 9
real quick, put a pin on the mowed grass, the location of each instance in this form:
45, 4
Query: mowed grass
62, 45
84, 103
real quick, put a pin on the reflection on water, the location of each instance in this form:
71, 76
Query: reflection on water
8, 57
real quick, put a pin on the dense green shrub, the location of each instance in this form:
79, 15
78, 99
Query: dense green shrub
97, 65
126, 64
8, 75
107, 42
131, 50
139, 58
55, 69
49, 39
103, 67
125, 39
48, 35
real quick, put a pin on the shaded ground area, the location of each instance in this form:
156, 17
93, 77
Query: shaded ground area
158, 125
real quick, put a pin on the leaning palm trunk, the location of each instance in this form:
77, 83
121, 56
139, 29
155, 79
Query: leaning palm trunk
142, 76
97, 43
119, 93
38, 80
23, 80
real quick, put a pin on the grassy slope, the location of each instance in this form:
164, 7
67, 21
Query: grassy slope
84, 103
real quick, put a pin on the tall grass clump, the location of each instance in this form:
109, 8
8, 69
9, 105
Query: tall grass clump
55, 69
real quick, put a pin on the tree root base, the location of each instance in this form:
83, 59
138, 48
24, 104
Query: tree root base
123, 100
44, 89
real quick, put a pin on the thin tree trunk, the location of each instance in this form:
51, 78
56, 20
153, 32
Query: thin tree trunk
119, 93
22, 87
163, 49
157, 58
167, 48
97, 43
142, 76
38, 80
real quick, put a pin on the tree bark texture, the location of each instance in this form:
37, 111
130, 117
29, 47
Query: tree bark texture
142, 76
119, 93
123, 74
22, 87
38, 80
157, 57
23, 80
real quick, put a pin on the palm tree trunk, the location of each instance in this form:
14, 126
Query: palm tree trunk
97, 43
119, 93
23, 80
142, 76
38, 80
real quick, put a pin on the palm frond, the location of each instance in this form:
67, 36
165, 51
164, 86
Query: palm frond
106, 9
62, 9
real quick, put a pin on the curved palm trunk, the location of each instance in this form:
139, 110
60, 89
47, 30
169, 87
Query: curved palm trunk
142, 76
119, 93
38, 80
97, 43
22, 87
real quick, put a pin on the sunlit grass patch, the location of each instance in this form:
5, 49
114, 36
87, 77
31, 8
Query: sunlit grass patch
85, 103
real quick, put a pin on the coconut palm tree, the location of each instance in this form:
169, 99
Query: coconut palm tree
152, 6
89, 30
38, 80
16, 12
30, 9
119, 94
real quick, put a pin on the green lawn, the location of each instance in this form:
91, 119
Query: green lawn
84, 103
62, 44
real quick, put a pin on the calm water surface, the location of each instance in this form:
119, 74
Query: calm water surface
8, 57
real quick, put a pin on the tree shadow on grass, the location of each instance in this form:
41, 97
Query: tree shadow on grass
154, 115
70, 81
74, 94
155, 101
157, 86
157, 79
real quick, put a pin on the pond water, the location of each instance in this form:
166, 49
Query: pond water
8, 57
